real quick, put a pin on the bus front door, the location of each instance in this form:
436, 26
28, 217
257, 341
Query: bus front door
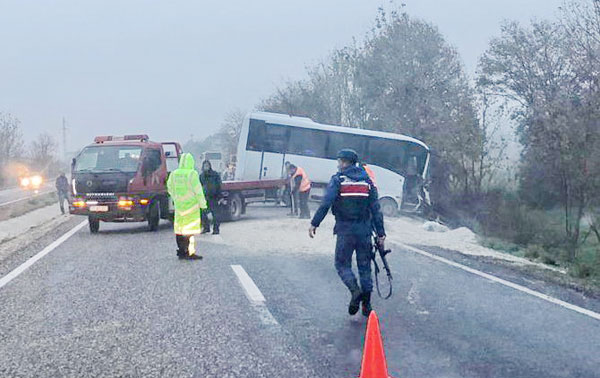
271, 166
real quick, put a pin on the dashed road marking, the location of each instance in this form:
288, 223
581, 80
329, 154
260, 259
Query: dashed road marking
254, 295
513, 285
21, 268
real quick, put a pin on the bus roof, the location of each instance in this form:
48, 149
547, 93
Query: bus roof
309, 123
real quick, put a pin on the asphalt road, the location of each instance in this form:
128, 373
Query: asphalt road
14, 195
119, 303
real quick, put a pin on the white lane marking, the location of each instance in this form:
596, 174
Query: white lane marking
265, 315
254, 295
26, 198
515, 286
21, 268
252, 291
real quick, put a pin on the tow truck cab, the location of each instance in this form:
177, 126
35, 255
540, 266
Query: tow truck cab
123, 179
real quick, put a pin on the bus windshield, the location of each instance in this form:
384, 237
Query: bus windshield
108, 158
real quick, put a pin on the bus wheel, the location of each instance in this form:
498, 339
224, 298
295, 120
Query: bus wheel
94, 224
235, 207
389, 207
153, 216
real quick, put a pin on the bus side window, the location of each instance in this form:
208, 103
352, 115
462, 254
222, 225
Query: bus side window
267, 137
277, 138
338, 141
307, 142
256, 135
386, 153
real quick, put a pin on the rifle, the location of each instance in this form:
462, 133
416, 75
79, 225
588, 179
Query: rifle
382, 253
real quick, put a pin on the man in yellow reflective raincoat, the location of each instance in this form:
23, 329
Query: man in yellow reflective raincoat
184, 188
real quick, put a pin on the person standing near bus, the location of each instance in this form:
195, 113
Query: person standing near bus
211, 183
300, 188
186, 191
354, 202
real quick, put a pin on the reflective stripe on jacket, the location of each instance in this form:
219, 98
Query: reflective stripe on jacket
188, 197
305, 183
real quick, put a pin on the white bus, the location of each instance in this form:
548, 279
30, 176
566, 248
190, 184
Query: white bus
268, 140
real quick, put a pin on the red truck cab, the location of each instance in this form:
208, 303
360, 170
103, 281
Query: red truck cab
123, 179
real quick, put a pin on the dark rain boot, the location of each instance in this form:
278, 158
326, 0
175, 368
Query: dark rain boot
366, 304
205, 230
354, 301
195, 256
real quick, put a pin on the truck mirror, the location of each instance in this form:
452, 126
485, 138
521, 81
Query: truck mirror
73, 163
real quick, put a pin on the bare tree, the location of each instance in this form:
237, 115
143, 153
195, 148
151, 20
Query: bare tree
11, 138
404, 78
43, 151
229, 133
551, 82
11, 144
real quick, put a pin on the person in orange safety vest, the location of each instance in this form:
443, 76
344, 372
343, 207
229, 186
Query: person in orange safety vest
370, 173
300, 189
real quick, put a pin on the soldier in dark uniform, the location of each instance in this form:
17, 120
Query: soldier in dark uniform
354, 202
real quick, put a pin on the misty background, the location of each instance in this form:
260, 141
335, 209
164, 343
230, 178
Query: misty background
506, 94
175, 69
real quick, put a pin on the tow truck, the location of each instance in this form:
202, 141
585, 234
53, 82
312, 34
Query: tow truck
123, 179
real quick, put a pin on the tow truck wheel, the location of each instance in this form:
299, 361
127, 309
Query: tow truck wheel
235, 207
94, 224
389, 207
153, 216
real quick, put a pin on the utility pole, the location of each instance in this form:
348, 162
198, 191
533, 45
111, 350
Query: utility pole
64, 139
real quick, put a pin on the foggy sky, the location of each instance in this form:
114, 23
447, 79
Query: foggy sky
175, 68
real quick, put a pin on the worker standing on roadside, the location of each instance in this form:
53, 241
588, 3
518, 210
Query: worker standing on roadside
353, 199
300, 189
211, 183
186, 191
62, 189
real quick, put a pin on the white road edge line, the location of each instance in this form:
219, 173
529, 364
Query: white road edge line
254, 295
515, 286
21, 268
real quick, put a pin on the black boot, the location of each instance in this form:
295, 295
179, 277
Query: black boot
205, 230
366, 303
354, 301
194, 257
180, 254
216, 230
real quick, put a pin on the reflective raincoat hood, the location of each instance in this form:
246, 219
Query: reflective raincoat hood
187, 161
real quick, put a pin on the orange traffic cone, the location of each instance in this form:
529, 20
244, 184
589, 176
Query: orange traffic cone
373, 361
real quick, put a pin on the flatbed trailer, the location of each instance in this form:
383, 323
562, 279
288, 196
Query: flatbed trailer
238, 194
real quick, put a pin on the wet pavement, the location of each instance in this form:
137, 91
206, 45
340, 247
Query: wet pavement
119, 303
